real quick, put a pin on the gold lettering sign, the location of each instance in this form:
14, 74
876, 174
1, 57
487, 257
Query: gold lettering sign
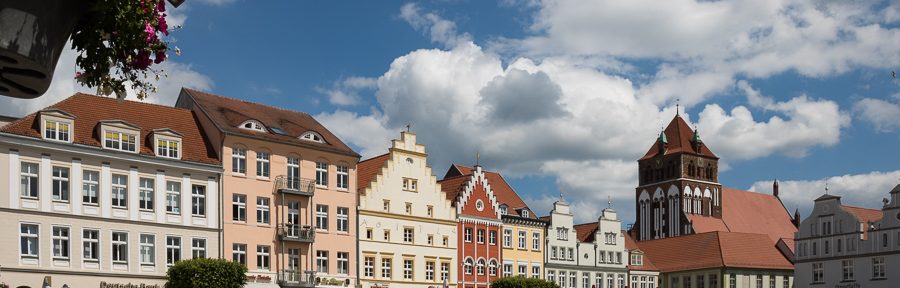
103, 284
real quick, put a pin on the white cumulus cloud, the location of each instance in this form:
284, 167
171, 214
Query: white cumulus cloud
862, 190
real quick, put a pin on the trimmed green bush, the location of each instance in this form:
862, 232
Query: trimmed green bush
206, 273
522, 282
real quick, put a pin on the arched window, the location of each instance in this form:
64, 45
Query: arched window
468, 266
492, 269
253, 125
480, 267
312, 136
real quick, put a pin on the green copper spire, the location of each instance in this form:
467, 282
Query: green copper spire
697, 136
662, 137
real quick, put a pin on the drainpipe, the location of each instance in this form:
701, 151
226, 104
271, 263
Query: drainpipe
356, 231
221, 192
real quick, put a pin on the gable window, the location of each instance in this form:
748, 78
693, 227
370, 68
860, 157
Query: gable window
562, 234
119, 191
167, 148
120, 141
61, 184
525, 213
343, 177
56, 130
410, 184
321, 174
90, 186
262, 164
312, 136
503, 209
239, 160
636, 260
252, 125
29, 180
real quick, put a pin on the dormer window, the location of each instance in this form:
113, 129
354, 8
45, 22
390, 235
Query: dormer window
312, 136
57, 130
524, 213
253, 125
120, 141
503, 208
167, 148
57, 125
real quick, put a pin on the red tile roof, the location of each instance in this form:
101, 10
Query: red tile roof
90, 110
227, 113
714, 250
679, 136
864, 215
502, 191
368, 169
631, 245
585, 232
453, 186
749, 212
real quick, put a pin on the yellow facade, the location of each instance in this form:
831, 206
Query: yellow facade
522, 258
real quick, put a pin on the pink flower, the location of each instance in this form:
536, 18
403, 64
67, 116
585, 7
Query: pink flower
161, 6
163, 26
151, 33
142, 60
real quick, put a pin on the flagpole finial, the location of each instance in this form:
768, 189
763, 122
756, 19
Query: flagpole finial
826, 187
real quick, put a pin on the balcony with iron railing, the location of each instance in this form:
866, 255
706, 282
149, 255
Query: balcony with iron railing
295, 186
296, 279
297, 233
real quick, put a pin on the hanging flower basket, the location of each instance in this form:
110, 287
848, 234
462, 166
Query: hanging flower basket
32, 35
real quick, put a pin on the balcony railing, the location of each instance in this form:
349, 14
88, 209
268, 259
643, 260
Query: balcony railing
298, 233
296, 186
297, 279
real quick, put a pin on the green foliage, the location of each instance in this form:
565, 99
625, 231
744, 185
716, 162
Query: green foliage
206, 273
522, 282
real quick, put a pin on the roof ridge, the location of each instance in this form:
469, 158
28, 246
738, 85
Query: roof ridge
858, 207
719, 242
138, 102
374, 157
247, 102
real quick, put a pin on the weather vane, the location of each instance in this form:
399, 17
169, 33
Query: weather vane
677, 104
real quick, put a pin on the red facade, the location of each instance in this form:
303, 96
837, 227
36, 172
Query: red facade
479, 250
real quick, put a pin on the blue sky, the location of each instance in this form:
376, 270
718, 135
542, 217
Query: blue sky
567, 95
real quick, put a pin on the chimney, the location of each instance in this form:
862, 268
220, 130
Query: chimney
797, 218
775, 188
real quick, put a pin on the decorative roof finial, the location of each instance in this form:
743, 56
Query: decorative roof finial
826, 187
677, 106
407, 127
608, 201
477, 159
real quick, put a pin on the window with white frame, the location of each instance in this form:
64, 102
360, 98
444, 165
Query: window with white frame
636, 260
562, 234
445, 271
818, 272
239, 207
253, 125
386, 205
173, 250
536, 241
167, 148
522, 270
321, 217
29, 180
262, 257
523, 239
90, 187
429, 210
467, 266
120, 141
551, 277
878, 267
586, 279
369, 266
343, 177
847, 268
312, 136
56, 130
322, 261
321, 174
468, 235
507, 269
90, 241
119, 191
343, 263
61, 184
239, 160
408, 208
293, 173
480, 236
120, 247
262, 164
479, 267
147, 249
507, 238
386, 264
429, 271
198, 248
410, 184
239, 253
535, 271
262, 210
173, 197
198, 200
145, 194
60, 242
408, 235
408, 269
343, 219
492, 267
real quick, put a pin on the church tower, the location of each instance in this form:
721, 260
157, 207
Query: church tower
678, 180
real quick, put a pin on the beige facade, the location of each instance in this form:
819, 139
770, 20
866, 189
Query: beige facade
82, 238
408, 227
523, 243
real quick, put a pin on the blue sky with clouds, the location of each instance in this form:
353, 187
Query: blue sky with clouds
566, 95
